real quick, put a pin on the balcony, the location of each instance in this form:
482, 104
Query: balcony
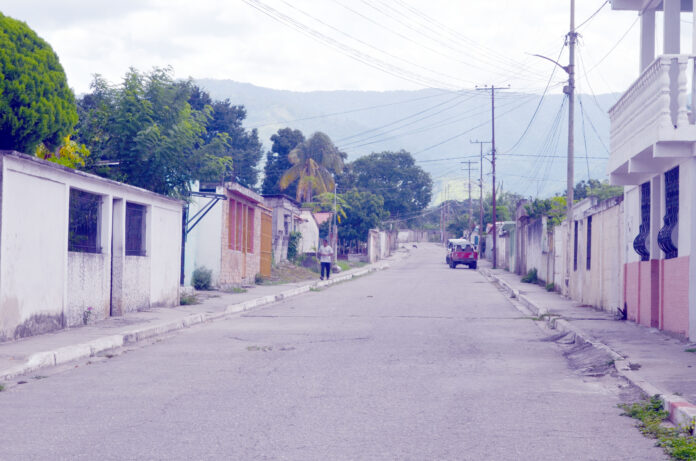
651, 126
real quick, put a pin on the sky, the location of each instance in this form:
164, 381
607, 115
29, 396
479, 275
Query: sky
306, 45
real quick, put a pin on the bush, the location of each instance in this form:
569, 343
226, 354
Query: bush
187, 300
201, 278
531, 277
310, 262
550, 286
293, 242
259, 279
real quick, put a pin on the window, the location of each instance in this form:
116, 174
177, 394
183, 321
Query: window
240, 235
640, 243
239, 242
589, 242
84, 226
671, 219
575, 248
135, 229
250, 230
232, 225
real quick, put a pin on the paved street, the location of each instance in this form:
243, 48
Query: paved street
416, 362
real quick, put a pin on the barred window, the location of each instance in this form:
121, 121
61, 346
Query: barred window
589, 243
135, 229
84, 226
575, 248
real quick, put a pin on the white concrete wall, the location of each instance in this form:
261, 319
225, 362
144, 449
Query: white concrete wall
43, 286
203, 242
33, 255
310, 233
164, 246
89, 279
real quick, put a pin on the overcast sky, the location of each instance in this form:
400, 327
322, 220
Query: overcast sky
338, 44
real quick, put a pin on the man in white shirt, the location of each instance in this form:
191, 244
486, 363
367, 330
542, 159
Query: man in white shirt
325, 253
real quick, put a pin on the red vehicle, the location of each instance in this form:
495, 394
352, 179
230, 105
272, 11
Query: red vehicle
461, 251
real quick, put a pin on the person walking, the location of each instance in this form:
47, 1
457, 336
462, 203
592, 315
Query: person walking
325, 254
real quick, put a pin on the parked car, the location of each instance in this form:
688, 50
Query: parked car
461, 251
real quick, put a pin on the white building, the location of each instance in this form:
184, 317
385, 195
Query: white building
75, 247
653, 143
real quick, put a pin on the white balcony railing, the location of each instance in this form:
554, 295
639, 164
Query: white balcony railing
653, 109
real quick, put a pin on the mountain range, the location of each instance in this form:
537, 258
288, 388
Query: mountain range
438, 127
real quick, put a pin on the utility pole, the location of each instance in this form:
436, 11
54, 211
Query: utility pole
480, 143
492, 89
569, 90
471, 207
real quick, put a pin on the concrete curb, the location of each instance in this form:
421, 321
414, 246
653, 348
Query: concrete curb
681, 412
91, 348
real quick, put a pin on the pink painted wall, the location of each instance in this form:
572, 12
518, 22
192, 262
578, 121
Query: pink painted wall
649, 293
631, 290
675, 295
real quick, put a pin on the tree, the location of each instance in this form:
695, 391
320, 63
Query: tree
145, 133
365, 211
243, 148
313, 163
277, 161
594, 188
36, 104
405, 187
328, 201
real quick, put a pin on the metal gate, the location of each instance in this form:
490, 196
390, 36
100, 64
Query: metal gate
266, 243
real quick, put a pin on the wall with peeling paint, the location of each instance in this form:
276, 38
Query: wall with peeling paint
45, 287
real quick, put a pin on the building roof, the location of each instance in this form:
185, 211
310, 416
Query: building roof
640, 5
281, 196
92, 177
234, 188
322, 217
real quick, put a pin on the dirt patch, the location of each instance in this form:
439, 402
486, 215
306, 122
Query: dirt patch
287, 272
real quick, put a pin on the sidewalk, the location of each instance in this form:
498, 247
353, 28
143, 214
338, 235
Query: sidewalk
648, 358
36, 352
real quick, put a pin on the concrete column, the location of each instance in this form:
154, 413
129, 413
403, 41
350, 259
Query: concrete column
647, 39
672, 11
118, 254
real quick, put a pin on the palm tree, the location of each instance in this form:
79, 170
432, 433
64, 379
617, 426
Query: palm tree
313, 163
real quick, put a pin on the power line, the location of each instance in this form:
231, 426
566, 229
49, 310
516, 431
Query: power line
592, 15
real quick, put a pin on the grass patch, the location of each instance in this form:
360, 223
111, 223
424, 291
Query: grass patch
677, 442
531, 277
343, 265
2, 387
187, 300
236, 290
315, 289
690, 349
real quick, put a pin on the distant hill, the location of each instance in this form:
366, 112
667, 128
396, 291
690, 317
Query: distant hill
436, 126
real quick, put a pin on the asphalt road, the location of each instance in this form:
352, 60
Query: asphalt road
418, 362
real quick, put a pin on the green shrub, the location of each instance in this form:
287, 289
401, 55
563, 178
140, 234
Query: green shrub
187, 300
259, 279
550, 286
201, 278
293, 242
531, 277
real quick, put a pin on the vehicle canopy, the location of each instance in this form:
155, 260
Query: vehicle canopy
462, 243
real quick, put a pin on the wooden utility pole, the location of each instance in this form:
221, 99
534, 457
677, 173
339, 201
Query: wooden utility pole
492, 89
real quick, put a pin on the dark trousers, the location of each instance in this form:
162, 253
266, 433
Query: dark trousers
325, 267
